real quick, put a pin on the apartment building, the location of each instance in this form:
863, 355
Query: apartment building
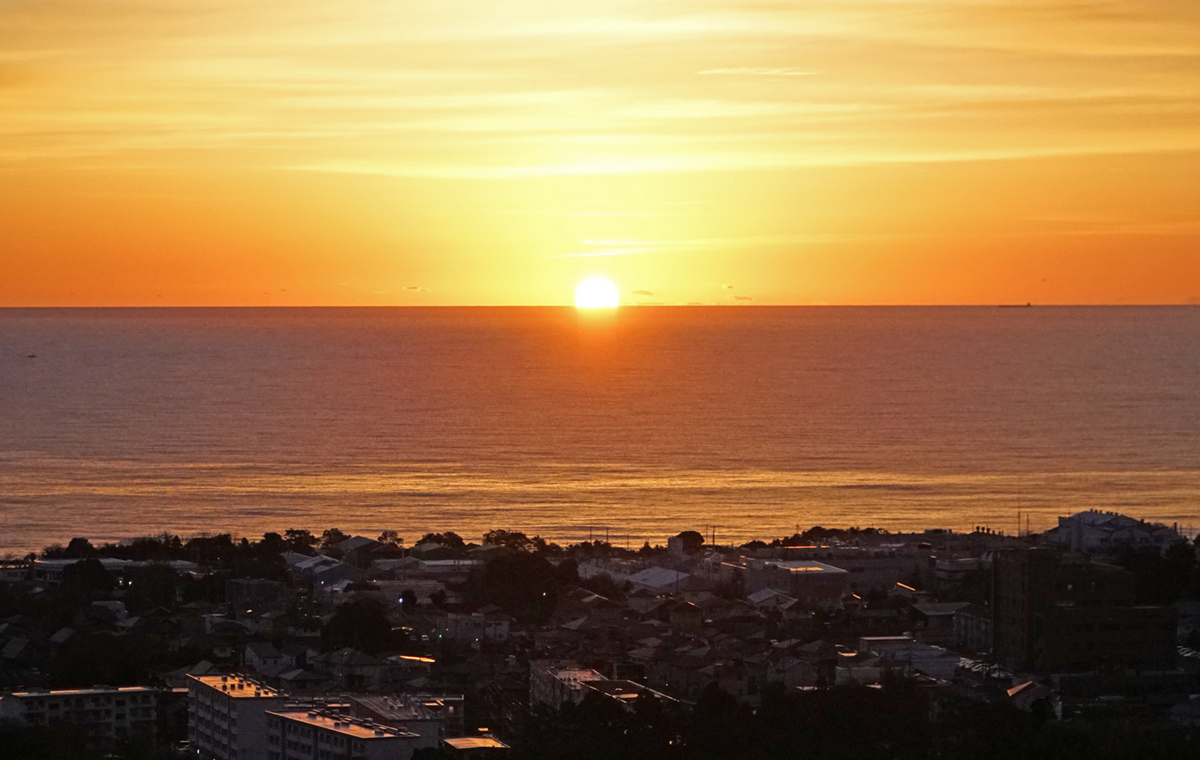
227, 716
319, 734
105, 712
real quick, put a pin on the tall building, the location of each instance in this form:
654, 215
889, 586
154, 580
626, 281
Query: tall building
1056, 613
106, 713
227, 716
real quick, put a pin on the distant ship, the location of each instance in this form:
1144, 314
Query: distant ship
1015, 305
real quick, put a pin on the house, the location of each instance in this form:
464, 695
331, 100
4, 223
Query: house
357, 550
935, 621
321, 570
351, 669
431, 550
683, 615
262, 656
773, 599
659, 580
1030, 696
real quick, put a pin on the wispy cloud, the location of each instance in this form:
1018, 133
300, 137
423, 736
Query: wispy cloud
758, 71
420, 91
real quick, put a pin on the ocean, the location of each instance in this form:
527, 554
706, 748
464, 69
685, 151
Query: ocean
631, 425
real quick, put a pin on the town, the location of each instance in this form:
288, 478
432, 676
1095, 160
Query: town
1082, 641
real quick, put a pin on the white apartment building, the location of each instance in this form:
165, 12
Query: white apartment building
555, 683
227, 716
106, 713
473, 627
326, 735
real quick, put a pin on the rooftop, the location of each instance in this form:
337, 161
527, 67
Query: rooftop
344, 724
83, 692
397, 708
806, 566
238, 686
475, 742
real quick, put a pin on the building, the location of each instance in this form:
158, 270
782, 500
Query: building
432, 718
870, 568
660, 580
554, 683
320, 570
321, 734
50, 571
809, 581
1094, 531
106, 713
935, 621
14, 572
262, 656
476, 626
903, 654
469, 747
1055, 613
973, 629
255, 595
227, 716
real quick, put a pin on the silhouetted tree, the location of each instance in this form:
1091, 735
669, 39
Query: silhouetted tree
525, 586
515, 540
449, 538
86, 579
79, 548
150, 587
391, 538
362, 624
331, 538
692, 541
300, 541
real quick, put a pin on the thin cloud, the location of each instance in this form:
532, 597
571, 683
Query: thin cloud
743, 298
629, 247
758, 71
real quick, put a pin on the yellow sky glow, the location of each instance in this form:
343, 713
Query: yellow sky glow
460, 152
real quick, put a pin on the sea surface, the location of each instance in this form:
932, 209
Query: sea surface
634, 424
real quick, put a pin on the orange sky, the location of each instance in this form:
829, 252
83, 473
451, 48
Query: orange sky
180, 152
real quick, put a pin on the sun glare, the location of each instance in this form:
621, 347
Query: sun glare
597, 293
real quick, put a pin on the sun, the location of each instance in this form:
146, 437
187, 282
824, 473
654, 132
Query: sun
597, 293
